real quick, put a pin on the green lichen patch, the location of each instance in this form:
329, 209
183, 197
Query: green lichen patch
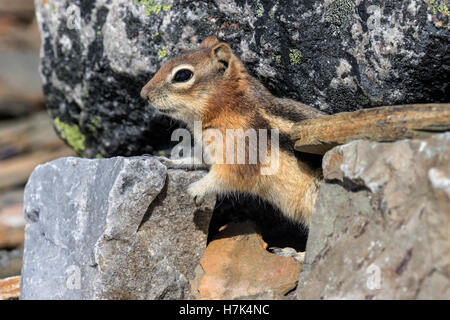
363, 99
260, 9
96, 121
295, 56
439, 6
155, 34
162, 52
277, 57
339, 15
71, 134
441, 13
93, 125
152, 6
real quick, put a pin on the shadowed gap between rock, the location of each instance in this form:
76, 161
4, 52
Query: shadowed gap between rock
276, 230
349, 185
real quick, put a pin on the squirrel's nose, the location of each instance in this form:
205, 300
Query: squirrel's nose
144, 92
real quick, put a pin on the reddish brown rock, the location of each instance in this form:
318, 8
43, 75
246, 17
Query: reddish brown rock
10, 288
12, 224
237, 265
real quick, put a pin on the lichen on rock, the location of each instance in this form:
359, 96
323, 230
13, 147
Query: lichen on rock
71, 134
152, 6
97, 55
339, 14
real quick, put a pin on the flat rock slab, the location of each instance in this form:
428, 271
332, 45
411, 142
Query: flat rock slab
119, 228
236, 265
384, 124
10, 288
380, 229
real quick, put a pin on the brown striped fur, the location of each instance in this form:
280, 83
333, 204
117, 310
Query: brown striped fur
223, 96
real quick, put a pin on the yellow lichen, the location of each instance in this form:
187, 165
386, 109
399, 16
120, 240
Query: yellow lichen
162, 52
71, 134
152, 6
295, 56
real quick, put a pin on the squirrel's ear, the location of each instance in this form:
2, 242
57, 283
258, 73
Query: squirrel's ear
222, 54
209, 42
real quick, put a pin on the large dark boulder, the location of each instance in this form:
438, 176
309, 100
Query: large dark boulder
336, 55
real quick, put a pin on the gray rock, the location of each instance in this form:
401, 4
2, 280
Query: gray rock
336, 55
381, 223
119, 228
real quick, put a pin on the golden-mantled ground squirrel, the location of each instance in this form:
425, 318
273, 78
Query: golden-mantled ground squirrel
211, 85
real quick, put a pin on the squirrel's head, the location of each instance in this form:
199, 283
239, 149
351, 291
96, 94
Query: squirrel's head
183, 87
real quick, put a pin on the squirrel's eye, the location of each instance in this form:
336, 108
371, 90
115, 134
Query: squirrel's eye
182, 75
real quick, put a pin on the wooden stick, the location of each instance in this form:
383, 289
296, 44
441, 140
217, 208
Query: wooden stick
377, 124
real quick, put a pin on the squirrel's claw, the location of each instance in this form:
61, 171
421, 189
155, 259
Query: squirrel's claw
197, 191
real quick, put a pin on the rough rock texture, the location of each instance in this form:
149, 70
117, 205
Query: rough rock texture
119, 228
236, 265
381, 223
336, 55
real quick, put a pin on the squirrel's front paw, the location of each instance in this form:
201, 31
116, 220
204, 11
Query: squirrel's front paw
181, 163
165, 161
197, 191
